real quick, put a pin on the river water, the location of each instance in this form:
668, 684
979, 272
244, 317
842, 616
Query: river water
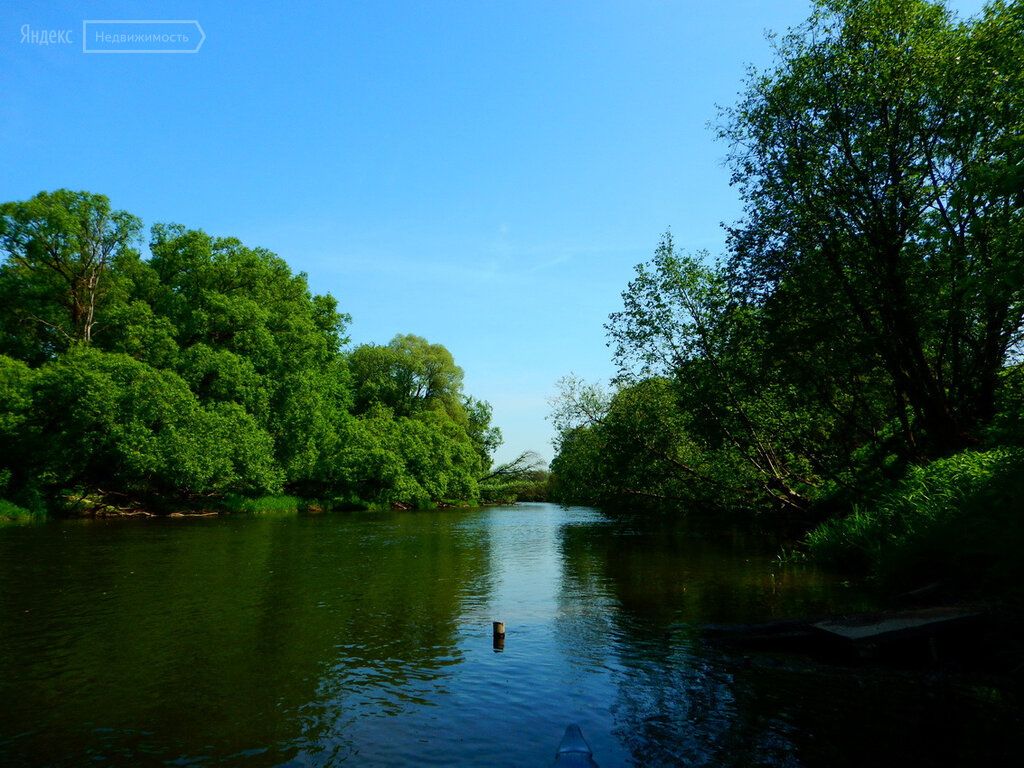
365, 639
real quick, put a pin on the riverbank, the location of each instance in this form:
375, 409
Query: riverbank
93, 506
957, 521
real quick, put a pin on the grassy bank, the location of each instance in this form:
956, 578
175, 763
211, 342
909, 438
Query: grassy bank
12, 513
267, 505
956, 520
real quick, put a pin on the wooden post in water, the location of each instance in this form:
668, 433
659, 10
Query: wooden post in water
499, 635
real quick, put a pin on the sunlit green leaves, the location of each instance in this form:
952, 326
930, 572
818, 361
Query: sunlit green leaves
209, 369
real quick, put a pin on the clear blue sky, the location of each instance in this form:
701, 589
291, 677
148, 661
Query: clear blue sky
484, 174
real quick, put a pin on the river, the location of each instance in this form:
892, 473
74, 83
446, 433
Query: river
365, 639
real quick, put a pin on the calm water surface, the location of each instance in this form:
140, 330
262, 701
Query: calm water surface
366, 640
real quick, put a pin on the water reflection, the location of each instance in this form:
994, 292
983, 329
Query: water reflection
367, 640
680, 701
264, 641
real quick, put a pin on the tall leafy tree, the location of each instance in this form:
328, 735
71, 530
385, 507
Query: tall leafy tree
880, 166
680, 320
58, 248
407, 375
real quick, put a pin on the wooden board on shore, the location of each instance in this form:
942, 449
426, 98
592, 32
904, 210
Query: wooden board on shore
893, 635
897, 625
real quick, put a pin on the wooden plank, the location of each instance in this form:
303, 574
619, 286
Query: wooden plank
882, 627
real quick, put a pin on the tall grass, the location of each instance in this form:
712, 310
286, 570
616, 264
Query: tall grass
958, 517
12, 513
265, 505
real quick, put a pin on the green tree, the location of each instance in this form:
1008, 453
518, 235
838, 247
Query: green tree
681, 321
485, 436
58, 249
577, 469
879, 162
408, 375
107, 423
217, 372
869, 315
418, 437
250, 332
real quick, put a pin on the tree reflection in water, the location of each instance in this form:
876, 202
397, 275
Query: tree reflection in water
635, 598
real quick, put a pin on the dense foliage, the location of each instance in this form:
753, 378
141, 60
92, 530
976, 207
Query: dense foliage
957, 516
205, 373
866, 320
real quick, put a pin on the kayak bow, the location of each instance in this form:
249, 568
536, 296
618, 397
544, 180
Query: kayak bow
573, 751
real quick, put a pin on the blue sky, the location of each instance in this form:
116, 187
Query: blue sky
484, 174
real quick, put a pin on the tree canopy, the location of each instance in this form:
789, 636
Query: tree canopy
867, 316
207, 368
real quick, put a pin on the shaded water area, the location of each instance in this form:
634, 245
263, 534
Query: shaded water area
365, 639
